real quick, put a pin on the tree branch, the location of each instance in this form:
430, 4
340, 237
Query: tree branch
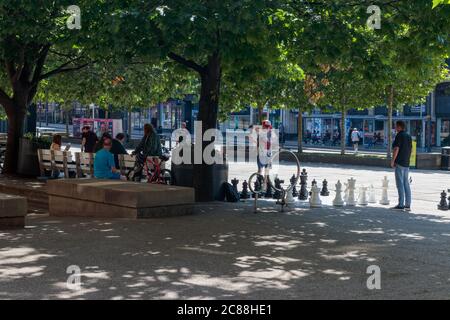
62, 69
5, 100
187, 63
40, 64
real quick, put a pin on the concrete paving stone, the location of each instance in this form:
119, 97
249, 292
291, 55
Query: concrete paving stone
225, 251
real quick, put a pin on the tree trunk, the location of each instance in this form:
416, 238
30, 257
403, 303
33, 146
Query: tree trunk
300, 131
260, 114
390, 92
129, 127
67, 120
208, 112
16, 117
343, 131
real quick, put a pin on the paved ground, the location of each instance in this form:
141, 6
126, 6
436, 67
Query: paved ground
228, 252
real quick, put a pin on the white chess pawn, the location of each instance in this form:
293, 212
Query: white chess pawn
315, 201
363, 197
351, 201
290, 197
338, 201
372, 197
384, 195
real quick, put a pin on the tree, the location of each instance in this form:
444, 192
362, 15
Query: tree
35, 44
211, 38
408, 54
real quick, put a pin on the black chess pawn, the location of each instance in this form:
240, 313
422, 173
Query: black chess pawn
443, 205
325, 192
235, 183
303, 195
256, 187
269, 190
314, 183
245, 194
277, 193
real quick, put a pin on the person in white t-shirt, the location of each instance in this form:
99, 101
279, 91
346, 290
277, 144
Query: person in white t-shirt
355, 139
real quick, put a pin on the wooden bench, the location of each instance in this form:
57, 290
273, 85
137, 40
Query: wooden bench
84, 164
13, 210
117, 199
51, 160
126, 163
2, 148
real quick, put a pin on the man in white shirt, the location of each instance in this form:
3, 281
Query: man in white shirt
355, 139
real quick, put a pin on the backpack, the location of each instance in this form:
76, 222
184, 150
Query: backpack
230, 193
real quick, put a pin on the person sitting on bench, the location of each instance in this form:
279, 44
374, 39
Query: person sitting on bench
104, 166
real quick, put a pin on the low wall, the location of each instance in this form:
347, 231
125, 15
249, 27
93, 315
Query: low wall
117, 199
429, 161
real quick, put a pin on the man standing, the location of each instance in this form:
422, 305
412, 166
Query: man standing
89, 140
355, 139
402, 149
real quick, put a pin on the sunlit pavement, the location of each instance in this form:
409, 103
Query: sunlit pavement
225, 251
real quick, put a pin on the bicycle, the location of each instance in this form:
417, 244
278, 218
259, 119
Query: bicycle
152, 168
154, 172
266, 181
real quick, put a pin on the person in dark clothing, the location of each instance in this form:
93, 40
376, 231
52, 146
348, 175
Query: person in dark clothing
402, 149
116, 148
150, 144
89, 140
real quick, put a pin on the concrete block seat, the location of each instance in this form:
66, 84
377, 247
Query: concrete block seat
117, 199
13, 210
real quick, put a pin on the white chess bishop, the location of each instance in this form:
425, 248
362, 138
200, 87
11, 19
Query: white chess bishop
351, 201
315, 201
338, 201
384, 194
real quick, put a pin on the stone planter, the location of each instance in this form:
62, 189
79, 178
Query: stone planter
184, 177
28, 164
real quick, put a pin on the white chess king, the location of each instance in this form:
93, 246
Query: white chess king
351, 201
338, 201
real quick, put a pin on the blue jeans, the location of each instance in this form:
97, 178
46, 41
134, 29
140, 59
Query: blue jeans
403, 187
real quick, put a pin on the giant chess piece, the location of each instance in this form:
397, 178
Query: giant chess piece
346, 192
277, 194
372, 197
362, 200
256, 187
338, 201
351, 201
443, 205
294, 186
384, 194
235, 183
245, 194
325, 192
315, 201
290, 193
303, 195
269, 191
